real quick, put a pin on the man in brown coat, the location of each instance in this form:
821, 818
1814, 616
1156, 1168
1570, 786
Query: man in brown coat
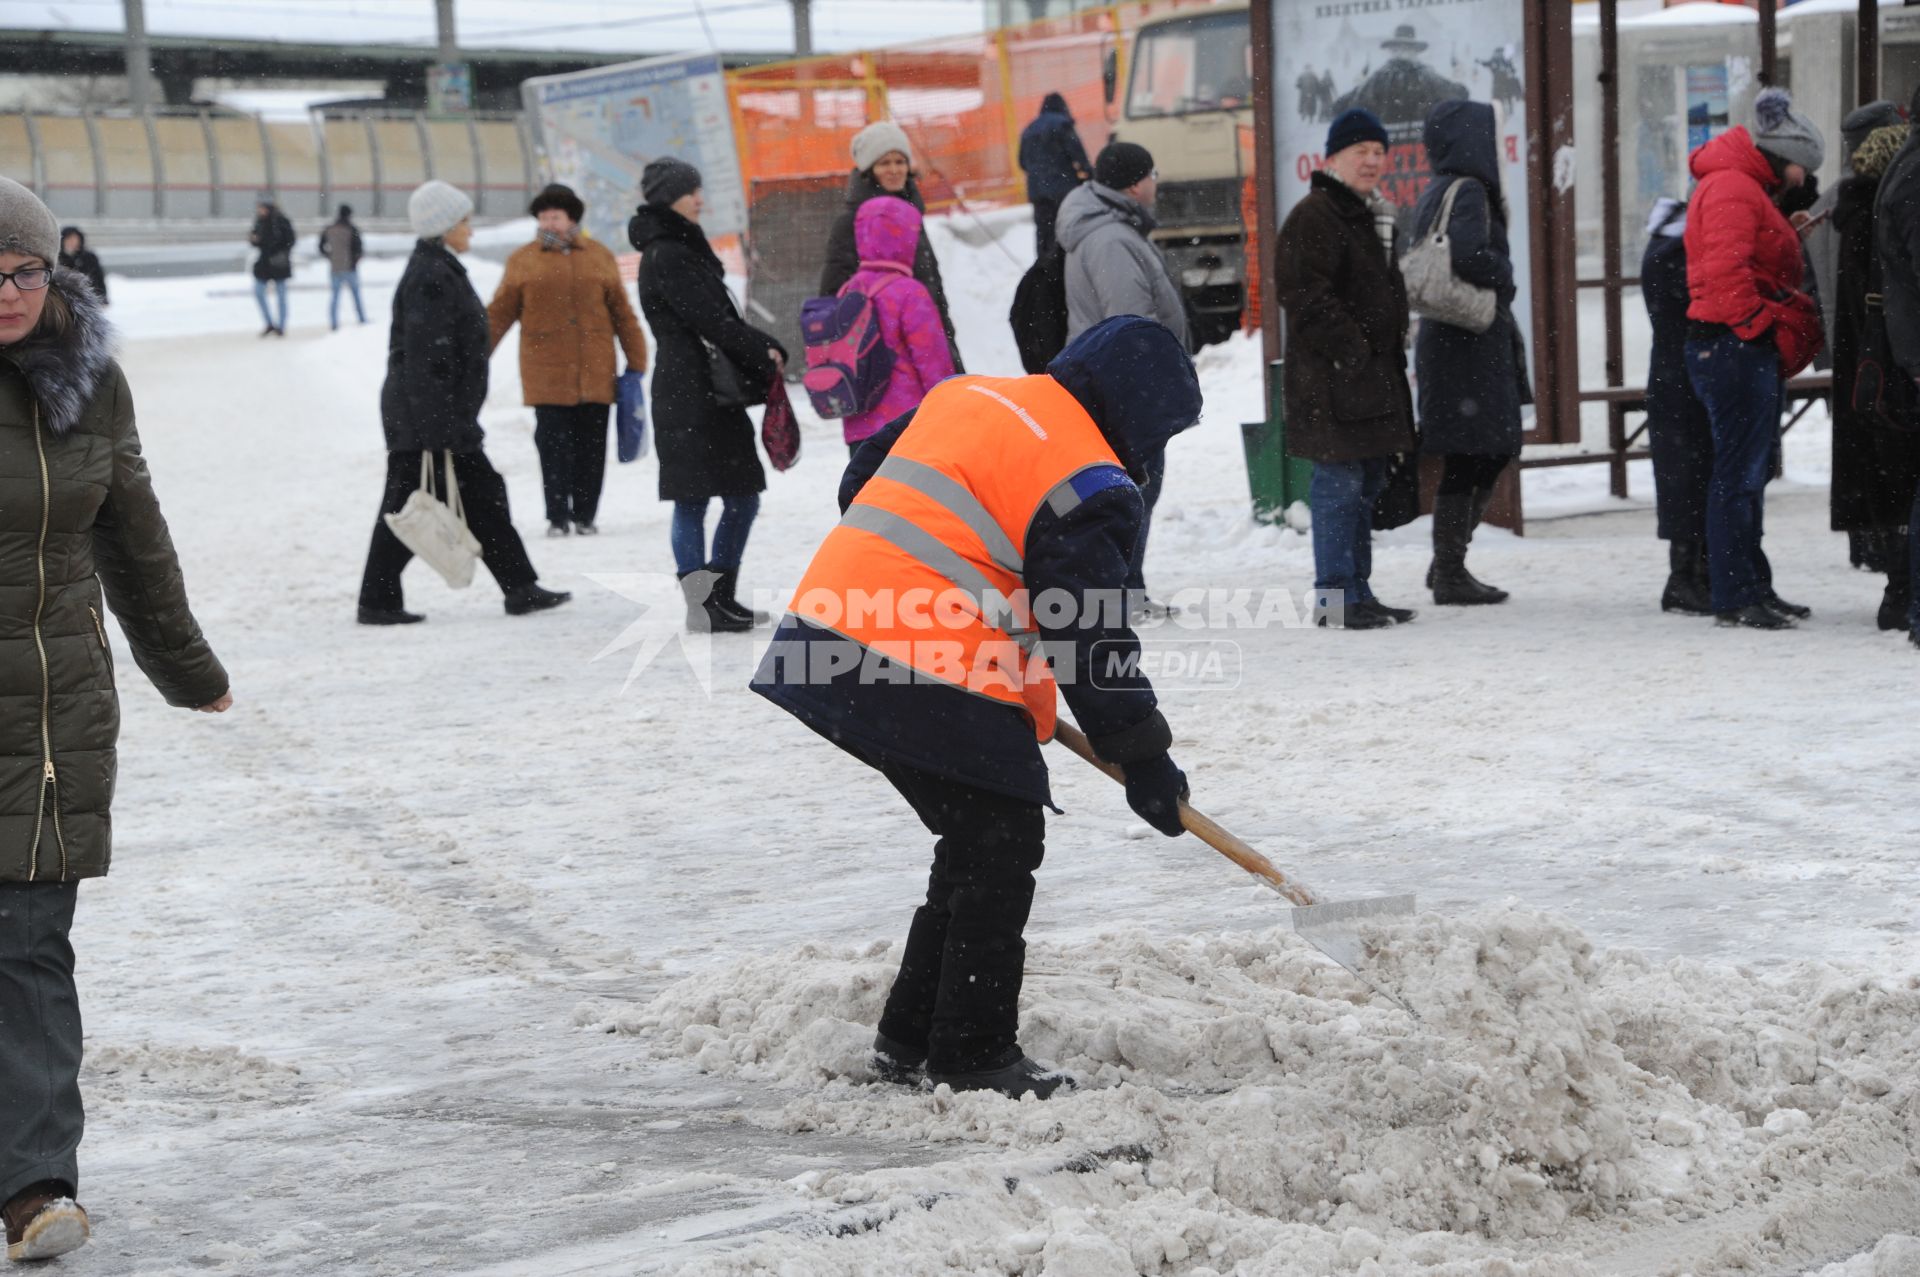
564, 290
1348, 407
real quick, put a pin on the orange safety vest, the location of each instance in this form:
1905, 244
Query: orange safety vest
927, 565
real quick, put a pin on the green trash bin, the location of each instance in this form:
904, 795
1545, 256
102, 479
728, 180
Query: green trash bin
1276, 480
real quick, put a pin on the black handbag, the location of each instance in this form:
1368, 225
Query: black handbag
1882, 391
729, 386
1399, 501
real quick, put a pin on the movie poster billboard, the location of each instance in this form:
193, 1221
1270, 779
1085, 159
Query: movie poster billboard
599, 128
1399, 59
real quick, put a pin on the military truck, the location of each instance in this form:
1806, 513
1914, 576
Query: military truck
1188, 91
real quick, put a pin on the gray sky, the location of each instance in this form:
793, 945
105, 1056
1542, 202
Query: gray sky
621, 26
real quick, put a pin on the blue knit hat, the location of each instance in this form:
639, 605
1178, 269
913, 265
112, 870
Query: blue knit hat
1355, 124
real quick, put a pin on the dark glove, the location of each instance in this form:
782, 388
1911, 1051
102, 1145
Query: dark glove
1154, 790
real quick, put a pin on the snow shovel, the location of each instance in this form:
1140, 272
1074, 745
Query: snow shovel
1330, 927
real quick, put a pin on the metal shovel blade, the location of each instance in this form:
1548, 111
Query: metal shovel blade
1334, 928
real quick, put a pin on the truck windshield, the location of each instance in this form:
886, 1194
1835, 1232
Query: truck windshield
1195, 64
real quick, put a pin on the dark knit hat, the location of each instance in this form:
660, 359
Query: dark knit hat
1354, 125
1122, 164
666, 179
561, 197
1863, 120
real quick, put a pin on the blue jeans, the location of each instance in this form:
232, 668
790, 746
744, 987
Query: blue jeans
260, 295
1342, 495
689, 533
1739, 382
348, 279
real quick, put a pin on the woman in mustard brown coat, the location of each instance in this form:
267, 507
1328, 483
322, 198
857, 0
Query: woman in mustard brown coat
564, 290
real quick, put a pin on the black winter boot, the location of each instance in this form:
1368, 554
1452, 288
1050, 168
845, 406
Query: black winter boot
1011, 1080
704, 614
896, 1062
1754, 616
1453, 520
522, 600
1687, 592
1898, 598
727, 580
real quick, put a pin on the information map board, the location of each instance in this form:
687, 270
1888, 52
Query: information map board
599, 129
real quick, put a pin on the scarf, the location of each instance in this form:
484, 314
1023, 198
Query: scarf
1386, 222
557, 241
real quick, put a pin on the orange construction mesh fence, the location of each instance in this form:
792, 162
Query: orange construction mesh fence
962, 100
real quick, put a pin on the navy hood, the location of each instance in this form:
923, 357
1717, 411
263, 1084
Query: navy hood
1135, 380
1056, 104
1461, 141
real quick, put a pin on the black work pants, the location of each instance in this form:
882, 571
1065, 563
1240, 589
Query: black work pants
958, 990
572, 440
483, 494
1046, 214
41, 1118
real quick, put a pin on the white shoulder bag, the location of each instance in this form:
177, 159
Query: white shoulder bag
1433, 290
436, 530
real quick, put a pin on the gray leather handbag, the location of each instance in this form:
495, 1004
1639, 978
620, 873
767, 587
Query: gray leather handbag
1433, 290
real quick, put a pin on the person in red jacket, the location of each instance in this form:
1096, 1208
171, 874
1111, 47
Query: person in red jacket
1751, 326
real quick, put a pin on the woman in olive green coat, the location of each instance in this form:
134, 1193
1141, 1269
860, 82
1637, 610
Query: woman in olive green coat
78, 521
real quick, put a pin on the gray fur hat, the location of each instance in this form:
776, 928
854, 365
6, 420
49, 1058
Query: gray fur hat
1781, 131
27, 225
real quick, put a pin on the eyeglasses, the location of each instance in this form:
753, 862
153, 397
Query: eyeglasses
29, 280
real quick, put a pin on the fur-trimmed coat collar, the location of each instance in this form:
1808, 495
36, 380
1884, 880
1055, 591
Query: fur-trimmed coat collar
64, 372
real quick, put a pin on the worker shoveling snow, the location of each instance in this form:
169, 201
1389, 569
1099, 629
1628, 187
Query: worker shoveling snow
1249, 1107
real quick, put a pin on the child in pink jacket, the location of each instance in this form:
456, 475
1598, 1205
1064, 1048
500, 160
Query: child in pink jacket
887, 232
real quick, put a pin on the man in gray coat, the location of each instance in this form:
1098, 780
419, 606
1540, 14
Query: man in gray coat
1113, 268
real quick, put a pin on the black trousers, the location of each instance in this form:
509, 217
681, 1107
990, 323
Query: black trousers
1046, 213
572, 439
483, 494
1461, 475
958, 990
41, 1117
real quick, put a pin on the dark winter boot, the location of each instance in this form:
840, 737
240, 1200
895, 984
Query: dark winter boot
523, 599
1686, 591
704, 614
1898, 598
727, 580
1011, 1080
1754, 616
400, 616
1453, 520
1791, 611
897, 1062
42, 1221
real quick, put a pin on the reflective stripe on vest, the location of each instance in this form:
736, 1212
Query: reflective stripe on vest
928, 564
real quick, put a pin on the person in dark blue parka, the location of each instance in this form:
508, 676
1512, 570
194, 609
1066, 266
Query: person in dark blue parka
1679, 434
970, 766
1055, 161
1472, 385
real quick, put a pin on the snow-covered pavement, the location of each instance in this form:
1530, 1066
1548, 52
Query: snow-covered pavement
465, 948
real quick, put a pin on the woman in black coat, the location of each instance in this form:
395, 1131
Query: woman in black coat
706, 448
883, 165
1679, 434
1876, 461
1472, 385
430, 403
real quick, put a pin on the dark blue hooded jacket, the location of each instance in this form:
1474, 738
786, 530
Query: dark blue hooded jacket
1136, 382
1051, 154
1471, 384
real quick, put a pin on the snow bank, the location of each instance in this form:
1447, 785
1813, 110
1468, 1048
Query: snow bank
1251, 1108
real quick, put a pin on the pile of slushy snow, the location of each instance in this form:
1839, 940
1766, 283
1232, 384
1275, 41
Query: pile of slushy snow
1249, 1107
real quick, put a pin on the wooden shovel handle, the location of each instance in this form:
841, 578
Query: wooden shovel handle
1198, 824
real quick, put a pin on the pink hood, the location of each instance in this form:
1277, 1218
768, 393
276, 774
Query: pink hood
887, 230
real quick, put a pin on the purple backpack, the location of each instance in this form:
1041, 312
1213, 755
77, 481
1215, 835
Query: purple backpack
848, 365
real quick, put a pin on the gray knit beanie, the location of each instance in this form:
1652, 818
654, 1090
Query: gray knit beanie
437, 207
873, 143
666, 179
1781, 131
26, 225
